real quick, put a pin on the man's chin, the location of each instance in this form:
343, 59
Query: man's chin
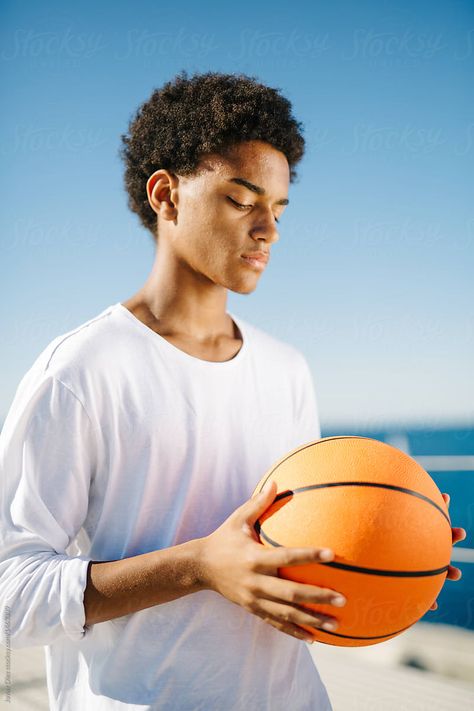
243, 288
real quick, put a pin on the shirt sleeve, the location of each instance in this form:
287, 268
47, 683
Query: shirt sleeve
47, 459
307, 425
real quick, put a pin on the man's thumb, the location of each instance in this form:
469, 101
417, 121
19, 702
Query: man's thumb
260, 502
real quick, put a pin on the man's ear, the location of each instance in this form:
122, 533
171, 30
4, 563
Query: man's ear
161, 188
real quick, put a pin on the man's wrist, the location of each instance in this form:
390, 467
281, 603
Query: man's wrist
198, 575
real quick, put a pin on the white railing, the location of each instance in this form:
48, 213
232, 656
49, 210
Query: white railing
446, 463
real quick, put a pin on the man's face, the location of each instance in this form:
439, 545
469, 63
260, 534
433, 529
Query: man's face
219, 220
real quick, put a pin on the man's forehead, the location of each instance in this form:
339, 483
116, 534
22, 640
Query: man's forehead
252, 167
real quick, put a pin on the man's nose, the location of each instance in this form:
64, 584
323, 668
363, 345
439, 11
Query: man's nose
266, 228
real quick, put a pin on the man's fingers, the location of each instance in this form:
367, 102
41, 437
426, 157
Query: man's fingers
286, 591
281, 557
290, 628
282, 615
459, 534
454, 573
250, 511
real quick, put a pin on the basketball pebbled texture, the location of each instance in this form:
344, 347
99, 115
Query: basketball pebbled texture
384, 518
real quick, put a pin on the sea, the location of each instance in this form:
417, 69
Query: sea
445, 447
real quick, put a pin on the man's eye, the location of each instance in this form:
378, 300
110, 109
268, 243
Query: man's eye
239, 206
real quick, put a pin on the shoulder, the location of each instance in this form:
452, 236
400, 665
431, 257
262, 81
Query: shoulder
72, 354
56, 383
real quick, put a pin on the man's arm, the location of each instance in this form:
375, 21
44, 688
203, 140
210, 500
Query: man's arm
48, 452
229, 561
119, 587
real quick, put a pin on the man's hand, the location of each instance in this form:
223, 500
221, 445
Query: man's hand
458, 534
236, 565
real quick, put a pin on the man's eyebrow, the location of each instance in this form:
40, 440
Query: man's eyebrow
256, 189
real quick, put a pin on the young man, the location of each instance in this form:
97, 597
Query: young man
135, 440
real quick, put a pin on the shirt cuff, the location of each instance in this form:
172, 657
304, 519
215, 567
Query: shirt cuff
73, 585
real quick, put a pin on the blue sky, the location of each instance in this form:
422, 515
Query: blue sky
372, 276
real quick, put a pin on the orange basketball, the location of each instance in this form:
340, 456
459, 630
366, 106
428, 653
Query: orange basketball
384, 518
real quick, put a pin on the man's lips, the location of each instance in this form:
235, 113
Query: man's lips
259, 256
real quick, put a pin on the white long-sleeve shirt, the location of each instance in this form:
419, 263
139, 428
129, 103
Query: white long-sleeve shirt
118, 443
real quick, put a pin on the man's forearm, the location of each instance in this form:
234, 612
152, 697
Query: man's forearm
119, 587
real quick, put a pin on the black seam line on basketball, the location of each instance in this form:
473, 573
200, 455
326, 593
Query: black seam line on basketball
350, 636
402, 489
311, 444
368, 571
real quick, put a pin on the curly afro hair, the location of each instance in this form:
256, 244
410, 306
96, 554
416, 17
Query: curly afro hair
207, 113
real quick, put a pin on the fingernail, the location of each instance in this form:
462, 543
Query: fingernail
339, 601
325, 554
329, 626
